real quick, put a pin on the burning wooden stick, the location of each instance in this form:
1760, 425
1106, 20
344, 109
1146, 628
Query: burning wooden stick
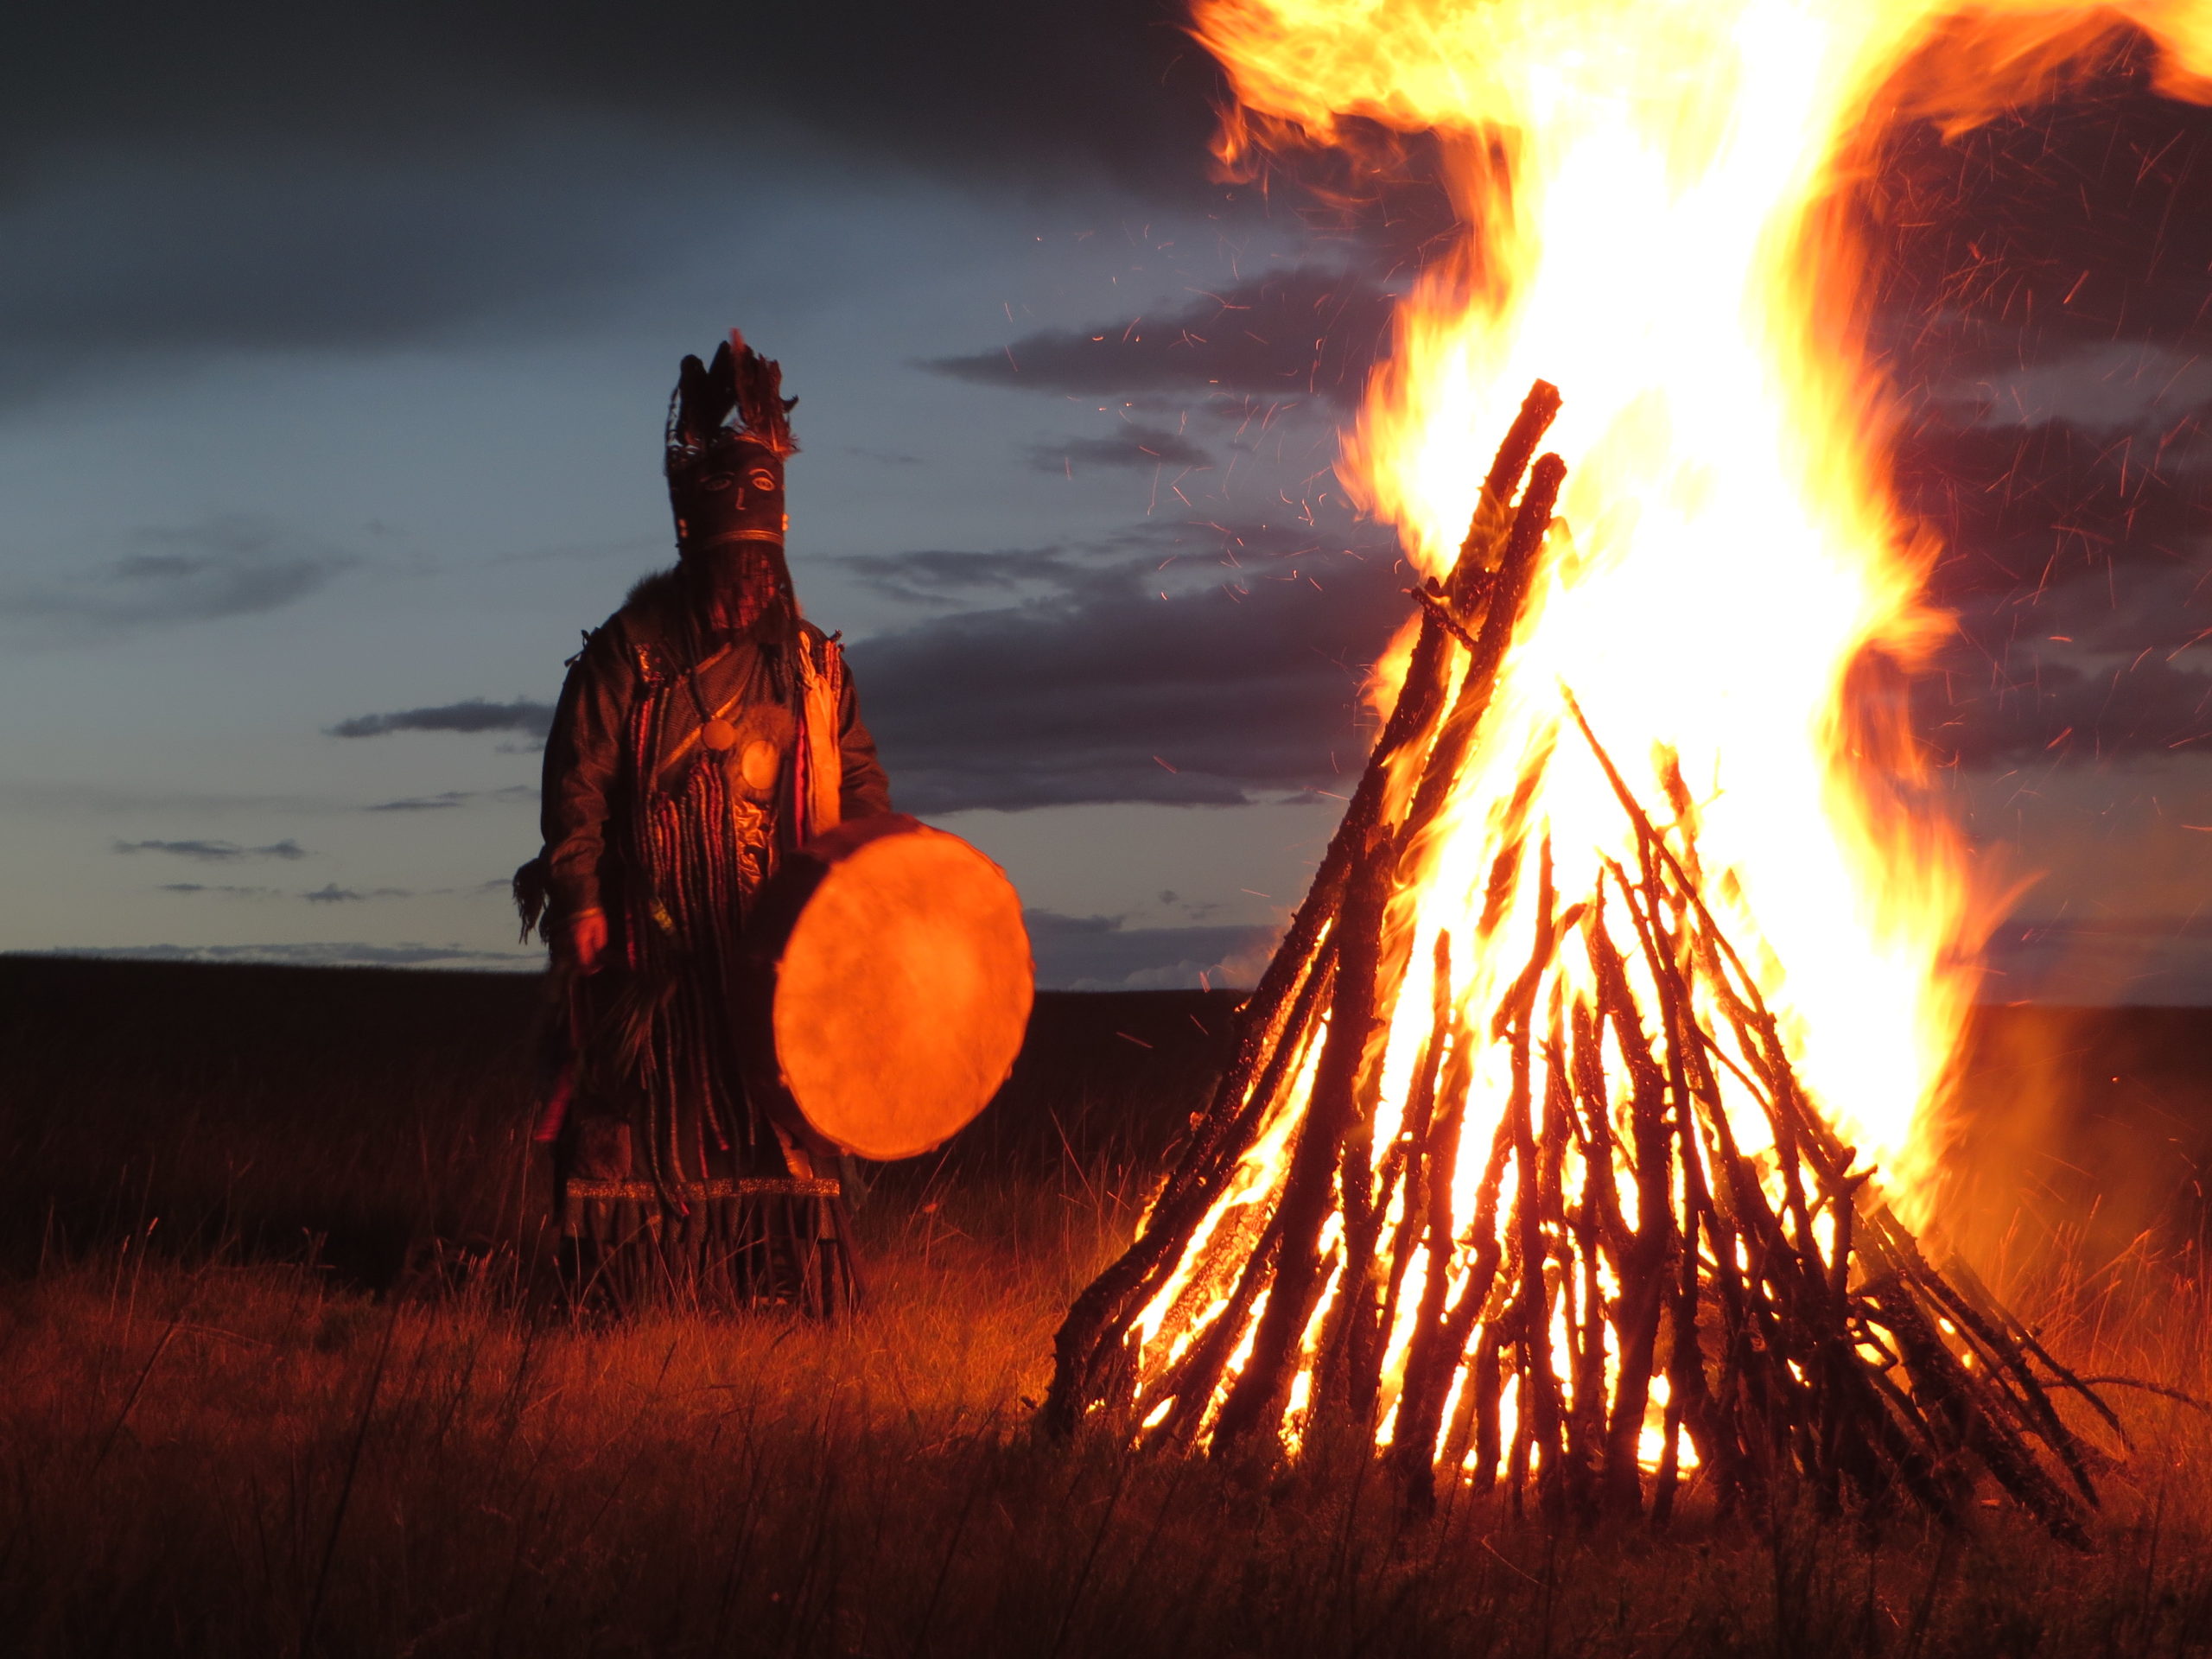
1646, 1253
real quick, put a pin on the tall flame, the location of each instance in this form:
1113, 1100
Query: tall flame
1657, 196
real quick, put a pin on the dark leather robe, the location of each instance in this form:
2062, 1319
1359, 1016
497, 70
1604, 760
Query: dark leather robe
679, 771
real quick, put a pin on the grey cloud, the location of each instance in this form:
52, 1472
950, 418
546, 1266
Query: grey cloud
314, 954
1245, 688
2150, 389
232, 565
1062, 571
937, 576
1135, 446
446, 800
72, 798
474, 714
332, 894
1100, 953
214, 852
1310, 332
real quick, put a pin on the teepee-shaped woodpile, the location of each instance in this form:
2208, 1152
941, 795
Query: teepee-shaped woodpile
1643, 1257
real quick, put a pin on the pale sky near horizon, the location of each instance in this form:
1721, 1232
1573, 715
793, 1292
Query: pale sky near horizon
330, 400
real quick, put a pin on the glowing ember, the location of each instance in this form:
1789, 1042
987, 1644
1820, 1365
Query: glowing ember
1674, 953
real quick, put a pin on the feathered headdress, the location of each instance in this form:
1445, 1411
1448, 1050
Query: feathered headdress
740, 381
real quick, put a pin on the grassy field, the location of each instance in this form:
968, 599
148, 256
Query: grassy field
275, 1385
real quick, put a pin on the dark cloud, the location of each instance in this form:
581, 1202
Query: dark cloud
2070, 496
2145, 961
227, 892
1310, 332
2044, 314
267, 176
332, 894
476, 714
1102, 953
1245, 687
2042, 307
1135, 445
234, 565
214, 852
290, 248
990, 88
320, 954
253, 174
2025, 511
2054, 226
445, 800
2102, 711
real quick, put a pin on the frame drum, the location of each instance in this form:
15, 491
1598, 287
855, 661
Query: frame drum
889, 986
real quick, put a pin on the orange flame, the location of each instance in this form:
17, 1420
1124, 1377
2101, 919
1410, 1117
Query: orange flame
1654, 196
1656, 192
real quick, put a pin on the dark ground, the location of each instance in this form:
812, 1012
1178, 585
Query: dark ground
376, 1110
272, 1381
369, 1112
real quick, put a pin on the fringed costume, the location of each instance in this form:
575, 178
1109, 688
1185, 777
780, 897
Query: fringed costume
702, 733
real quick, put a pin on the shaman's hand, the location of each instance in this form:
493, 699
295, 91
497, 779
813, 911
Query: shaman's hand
587, 938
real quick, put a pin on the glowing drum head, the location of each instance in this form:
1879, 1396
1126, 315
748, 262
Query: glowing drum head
891, 984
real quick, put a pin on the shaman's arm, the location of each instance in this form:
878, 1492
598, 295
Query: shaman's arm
582, 762
863, 790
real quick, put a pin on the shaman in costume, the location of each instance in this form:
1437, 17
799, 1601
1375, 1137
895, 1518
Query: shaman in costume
702, 733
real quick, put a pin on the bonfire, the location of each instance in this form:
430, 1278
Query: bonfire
1578, 1133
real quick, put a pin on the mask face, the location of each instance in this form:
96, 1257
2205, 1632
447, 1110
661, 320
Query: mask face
733, 491
738, 581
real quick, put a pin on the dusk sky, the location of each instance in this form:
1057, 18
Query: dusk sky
335, 345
